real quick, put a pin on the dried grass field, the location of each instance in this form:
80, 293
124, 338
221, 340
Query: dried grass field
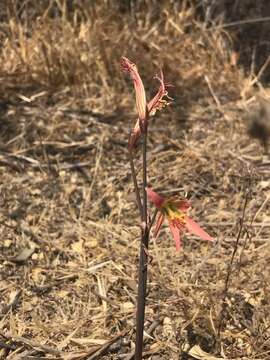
70, 231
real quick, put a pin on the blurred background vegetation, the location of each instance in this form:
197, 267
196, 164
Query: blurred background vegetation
57, 43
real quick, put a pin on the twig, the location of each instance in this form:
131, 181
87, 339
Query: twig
26, 159
96, 168
240, 22
32, 344
12, 160
229, 269
150, 330
212, 91
105, 298
13, 303
105, 347
52, 170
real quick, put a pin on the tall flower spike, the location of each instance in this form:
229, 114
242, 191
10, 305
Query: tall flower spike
144, 111
175, 211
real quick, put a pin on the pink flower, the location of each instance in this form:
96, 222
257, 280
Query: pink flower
175, 211
131, 69
144, 110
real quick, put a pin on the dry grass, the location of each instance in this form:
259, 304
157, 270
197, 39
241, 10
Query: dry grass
69, 226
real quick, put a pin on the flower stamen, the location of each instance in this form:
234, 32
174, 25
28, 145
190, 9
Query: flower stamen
174, 215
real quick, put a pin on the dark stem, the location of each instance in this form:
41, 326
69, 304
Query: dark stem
135, 183
152, 220
142, 285
230, 266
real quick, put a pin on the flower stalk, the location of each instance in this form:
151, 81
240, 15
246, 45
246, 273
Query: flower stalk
143, 261
135, 184
173, 209
145, 110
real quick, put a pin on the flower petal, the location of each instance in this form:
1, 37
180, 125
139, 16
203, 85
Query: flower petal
160, 220
195, 229
131, 69
182, 205
135, 135
157, 103
176, 235
156, 199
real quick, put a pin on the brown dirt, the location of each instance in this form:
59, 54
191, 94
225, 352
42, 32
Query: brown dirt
69, 224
